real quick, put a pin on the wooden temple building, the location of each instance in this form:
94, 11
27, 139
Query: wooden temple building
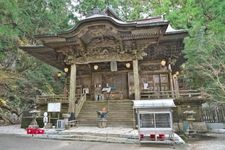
112, 62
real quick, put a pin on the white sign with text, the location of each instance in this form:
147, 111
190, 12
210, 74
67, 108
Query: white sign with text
54, 107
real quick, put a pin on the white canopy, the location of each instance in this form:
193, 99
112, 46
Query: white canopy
154, 103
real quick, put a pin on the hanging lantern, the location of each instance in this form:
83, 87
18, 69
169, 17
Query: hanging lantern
95, 67
128, 65
66, 69
163, 63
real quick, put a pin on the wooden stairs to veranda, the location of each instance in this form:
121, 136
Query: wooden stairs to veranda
120, 113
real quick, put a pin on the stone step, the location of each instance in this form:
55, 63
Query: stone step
108, 118
120, 102
120, 112
81, 120
101, 138
110, 113
125, 105
123, 111
120, 124
92, 124
130, 104
119, 109
119, 117
111, 120
109, 124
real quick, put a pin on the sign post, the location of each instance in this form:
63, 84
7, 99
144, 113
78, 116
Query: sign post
54, 108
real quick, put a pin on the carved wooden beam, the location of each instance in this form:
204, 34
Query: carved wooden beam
105, 58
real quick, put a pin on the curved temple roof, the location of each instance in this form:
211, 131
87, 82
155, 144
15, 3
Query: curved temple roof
109, 31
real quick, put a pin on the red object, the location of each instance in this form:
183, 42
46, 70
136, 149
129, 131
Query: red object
141, 136
40, 131
30, 130
161, 137
152, 136
35, 131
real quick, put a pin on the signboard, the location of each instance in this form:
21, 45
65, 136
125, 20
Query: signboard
54, 107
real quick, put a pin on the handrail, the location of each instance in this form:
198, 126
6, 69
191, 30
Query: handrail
80, 104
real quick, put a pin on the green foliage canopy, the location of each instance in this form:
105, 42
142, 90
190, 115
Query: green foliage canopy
205, 46
20, 20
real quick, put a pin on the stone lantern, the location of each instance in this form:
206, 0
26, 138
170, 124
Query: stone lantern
34, 113
189, 118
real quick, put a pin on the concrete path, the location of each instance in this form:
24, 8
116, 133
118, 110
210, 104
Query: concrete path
12, 129
109, 134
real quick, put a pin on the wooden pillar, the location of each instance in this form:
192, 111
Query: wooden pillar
171, 80
72, 92
136, 80
176, 85
179, 113
200, 119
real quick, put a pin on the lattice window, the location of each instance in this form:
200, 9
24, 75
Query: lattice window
147, 120
162, 120
155, 120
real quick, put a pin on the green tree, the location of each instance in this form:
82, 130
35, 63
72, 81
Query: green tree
204, 47
20, 20
126, 9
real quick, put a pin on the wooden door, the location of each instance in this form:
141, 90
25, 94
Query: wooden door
118, 83
96, 85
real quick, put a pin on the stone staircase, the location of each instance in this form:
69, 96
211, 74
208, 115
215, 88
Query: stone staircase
88, 113
120, 113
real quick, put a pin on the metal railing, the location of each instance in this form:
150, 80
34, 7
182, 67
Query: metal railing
214, 114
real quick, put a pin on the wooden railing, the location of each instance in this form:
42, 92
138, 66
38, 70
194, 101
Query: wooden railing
44, 99
190, 93
149, 94
79, 104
